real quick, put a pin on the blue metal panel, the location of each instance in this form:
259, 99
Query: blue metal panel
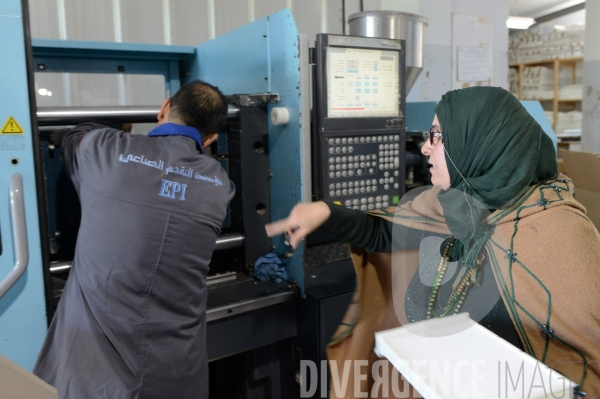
419, 115
104, 57
262, 57
23, 309
536, 110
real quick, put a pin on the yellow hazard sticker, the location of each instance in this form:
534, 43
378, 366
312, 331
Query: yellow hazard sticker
11, 126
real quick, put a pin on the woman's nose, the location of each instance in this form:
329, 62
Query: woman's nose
426, 149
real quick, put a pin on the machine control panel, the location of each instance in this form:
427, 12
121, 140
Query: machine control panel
362, 170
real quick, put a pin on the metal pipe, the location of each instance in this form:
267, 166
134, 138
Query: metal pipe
226, 241
60, 116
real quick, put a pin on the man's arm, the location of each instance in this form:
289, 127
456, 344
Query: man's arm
69, 142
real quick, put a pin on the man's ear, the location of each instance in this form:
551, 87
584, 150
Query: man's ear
163, 114
209, 139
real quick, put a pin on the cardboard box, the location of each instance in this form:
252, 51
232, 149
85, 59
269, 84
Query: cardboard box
18, 383
584, 169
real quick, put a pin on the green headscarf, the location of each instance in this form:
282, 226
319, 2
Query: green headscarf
498, 148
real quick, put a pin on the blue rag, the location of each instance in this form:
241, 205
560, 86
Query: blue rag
270, 267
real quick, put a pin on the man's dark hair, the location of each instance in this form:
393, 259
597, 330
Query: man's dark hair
200, 105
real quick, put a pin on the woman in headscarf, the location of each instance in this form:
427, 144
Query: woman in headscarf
526, 257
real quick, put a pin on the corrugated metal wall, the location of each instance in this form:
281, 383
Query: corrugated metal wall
177, 22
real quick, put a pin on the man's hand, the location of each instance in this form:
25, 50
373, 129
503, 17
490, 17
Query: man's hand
303, 220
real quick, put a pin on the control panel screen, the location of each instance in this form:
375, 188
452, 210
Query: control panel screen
362, 82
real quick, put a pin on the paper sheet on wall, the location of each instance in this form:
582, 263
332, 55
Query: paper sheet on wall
471, 32
473, 64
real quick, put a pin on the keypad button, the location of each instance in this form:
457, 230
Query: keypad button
374, 188
331, 167
350, 191
348, 203
391, 179
396, 185
362, 190
368, 139
385, 197
332, 193
378, 198
344, 149
338, 167
344, 159
380, 139
338, 192
374, 181
344, 185
362, 139
331, 150
331, 141
344, 192
331, 186
338, 185
386, 187
363, 208
386, 180
344, 173
370, 200
385, 204
356, 207
362, 183
371, 171
362, 157
387, 174
368, 164
396, 152
386, 138
396, 173
368, 188
338, 150
359, 172
355, 201
344, 166
332, 175
363, 200
338, 174
350, 184
357, 165
378, 205
396, 138
344, 140
371, 207
350, 173
381, 147
338, 141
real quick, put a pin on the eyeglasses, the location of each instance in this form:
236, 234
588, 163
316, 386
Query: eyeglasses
434, 136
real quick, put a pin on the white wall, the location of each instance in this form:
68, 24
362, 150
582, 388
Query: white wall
191, 22
590, 130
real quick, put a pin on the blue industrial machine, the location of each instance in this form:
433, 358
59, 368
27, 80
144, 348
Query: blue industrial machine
263, 159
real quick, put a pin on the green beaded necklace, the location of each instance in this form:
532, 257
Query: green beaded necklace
461, 285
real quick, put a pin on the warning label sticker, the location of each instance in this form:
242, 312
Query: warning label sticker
11, 126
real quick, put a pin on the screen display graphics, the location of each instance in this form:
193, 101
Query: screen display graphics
362, 82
